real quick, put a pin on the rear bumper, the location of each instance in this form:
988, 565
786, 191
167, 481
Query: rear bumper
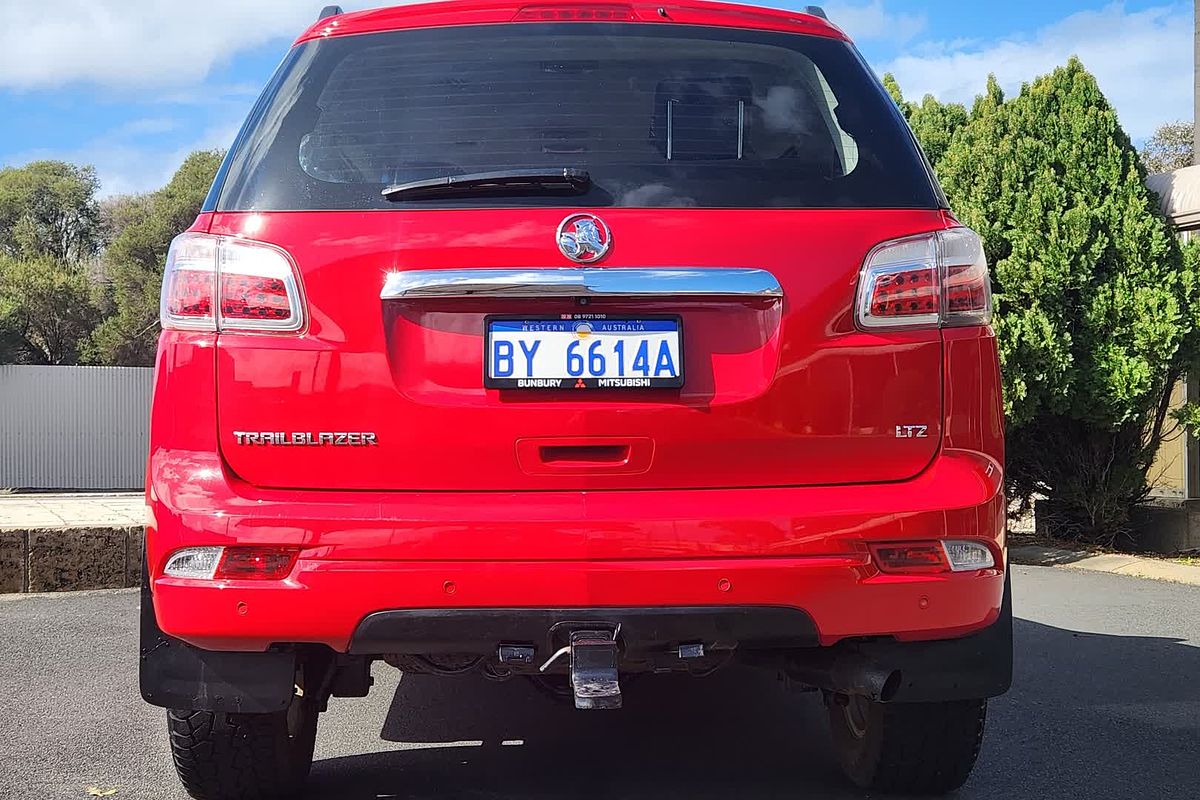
325, 601
176, 675
363, 553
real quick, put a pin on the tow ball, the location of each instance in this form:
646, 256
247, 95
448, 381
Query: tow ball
594, 679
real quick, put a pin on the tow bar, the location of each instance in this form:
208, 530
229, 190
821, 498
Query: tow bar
594, 679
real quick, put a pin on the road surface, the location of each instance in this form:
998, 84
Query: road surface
1106, 704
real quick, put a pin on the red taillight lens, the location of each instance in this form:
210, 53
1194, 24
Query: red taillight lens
910, 557
934, 279
252, 297
256, 290
598, 12
905, 293
256, 563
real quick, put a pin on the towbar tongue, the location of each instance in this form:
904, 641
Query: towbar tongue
594, 669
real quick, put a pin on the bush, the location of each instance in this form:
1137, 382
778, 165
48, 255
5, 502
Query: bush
1096, 308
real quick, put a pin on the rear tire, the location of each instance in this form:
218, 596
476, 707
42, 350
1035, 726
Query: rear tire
910, 748
224, 756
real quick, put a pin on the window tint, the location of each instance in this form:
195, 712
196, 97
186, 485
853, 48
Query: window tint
660, 115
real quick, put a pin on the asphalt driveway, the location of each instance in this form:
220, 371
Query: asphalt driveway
1106, 704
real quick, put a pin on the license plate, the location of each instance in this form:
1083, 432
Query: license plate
583, 352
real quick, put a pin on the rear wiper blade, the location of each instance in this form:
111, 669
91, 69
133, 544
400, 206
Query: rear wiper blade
510, 181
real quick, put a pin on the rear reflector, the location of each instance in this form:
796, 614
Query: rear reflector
253, 285
934, 279
257, 563
910, 557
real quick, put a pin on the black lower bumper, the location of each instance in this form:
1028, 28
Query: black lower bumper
643, 631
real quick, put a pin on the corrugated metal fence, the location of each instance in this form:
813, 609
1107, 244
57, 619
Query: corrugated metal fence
74, 427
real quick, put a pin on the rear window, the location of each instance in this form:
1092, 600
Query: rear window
659, 115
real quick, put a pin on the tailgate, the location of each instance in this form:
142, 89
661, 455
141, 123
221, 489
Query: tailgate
389, 393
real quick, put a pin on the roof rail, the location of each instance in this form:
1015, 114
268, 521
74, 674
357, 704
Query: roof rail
329, 11
815, 11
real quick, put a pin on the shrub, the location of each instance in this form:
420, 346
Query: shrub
1096, 308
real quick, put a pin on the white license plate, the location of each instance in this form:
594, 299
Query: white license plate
583, 352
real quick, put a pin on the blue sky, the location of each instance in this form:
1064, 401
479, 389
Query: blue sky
132, 86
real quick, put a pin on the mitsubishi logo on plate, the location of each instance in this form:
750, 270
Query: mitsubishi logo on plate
584, 238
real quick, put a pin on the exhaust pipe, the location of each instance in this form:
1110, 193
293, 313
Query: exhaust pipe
844, 673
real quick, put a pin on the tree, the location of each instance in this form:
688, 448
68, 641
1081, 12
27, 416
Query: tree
133, 261
1170, 147
46, 311
933, 123
48, 208
893, 88
1096, 310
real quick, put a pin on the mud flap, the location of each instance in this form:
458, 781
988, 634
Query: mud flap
173, 674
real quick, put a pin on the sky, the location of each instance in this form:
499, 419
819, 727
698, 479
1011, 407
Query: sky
133, 86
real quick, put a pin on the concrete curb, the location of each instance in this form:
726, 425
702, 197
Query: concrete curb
69, 559
1112, 563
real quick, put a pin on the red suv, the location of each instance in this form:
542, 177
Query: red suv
564, 341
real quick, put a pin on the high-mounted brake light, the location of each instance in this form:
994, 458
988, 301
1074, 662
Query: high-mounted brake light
218, 283
933, 279
569, 12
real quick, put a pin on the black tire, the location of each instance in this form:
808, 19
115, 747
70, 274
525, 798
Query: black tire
909, 748
221, 756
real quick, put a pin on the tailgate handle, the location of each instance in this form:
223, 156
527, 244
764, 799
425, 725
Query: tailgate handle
585, 454
735, 282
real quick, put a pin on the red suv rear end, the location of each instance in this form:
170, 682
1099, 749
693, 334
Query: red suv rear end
566, 341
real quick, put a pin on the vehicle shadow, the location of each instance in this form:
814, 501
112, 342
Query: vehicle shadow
1089, 716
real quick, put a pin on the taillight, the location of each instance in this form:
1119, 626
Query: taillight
933, 279
218, 283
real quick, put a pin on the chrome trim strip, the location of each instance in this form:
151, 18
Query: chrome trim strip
582, 282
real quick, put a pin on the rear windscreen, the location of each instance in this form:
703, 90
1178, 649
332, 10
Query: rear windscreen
659, 116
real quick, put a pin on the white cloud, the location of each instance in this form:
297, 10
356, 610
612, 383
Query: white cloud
144, 43
126, 166
1142, 60
867, 21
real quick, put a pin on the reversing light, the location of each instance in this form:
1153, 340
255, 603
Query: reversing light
193, 562
966, 556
